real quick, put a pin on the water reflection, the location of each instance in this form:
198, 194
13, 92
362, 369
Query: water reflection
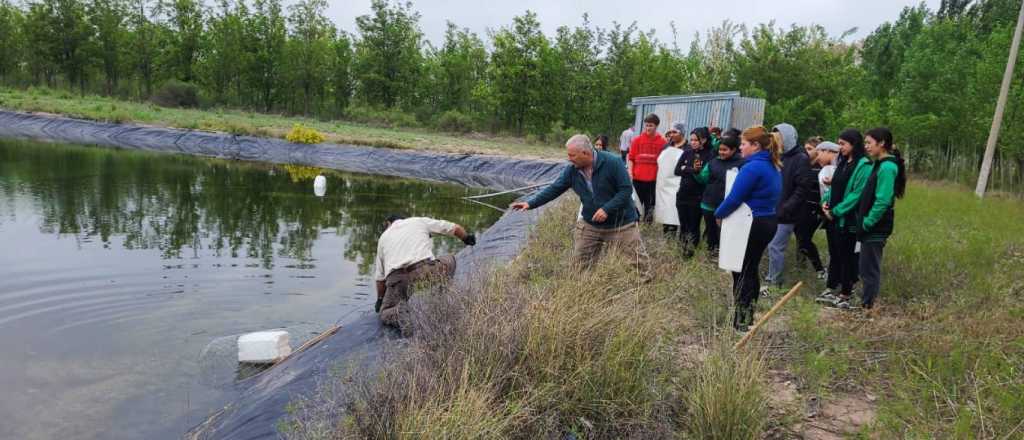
180, 204
119, 269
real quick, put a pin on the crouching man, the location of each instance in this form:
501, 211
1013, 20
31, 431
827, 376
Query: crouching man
405, 256
600, 180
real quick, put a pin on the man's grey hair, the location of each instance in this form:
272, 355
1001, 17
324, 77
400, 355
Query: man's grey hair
580, 142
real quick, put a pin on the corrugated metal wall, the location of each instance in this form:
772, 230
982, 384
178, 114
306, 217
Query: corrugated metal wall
710, 110
747, 112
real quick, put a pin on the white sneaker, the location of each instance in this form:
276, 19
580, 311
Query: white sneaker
827, 297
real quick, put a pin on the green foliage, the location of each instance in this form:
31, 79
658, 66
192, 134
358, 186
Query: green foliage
225, 54
931, 75
388, 55
378, 116
559, 133
455, 121
175, 93
301, 134
307, 52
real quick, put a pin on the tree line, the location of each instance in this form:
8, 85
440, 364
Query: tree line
932, 75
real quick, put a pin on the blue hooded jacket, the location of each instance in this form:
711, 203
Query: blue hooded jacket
759, 185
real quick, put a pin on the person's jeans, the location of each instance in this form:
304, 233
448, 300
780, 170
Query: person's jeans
689, 226
847, 261
589, 242
835, 258
645, 191
712, 231
870, 271
399, 283
747, 283
777, 253
804, 232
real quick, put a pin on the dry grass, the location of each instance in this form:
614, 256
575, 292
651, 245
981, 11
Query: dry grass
537, 350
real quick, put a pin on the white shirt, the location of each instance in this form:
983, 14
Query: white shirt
407, 241
625, 139
826, 172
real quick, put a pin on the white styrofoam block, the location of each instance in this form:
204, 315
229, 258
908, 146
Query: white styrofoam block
263, 347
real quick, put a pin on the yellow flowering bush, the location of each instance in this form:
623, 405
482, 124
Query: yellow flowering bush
301, 134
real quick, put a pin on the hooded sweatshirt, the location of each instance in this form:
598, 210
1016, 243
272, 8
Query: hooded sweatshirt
795, 182
758, 184
644, 153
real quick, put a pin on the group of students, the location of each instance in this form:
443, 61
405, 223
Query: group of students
848, 187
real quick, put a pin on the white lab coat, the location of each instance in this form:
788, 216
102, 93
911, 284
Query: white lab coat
666, 187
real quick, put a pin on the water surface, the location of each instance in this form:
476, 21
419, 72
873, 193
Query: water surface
119, 268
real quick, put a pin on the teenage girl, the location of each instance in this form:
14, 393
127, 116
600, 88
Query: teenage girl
759, 185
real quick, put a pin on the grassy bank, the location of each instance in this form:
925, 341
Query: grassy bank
536, 351
257, 124
945, 354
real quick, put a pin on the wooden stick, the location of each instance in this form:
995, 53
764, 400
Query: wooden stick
311, 342
302, 347
767, 316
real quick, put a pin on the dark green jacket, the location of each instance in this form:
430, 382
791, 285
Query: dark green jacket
845, 210
875, 215
612, 191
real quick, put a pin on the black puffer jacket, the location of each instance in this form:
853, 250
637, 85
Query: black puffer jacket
796, 186
714, 192
691, 190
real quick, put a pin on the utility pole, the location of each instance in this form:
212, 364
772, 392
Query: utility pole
997, 120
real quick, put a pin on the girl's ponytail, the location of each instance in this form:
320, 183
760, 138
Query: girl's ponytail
775, 147
770, 142
901, 177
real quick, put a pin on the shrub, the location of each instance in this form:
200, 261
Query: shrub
381, 117
300, 134
559, 133
174, 93
455, 121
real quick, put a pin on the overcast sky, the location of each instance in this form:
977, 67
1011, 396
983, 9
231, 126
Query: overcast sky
689, 15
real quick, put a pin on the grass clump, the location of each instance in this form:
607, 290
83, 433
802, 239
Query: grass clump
726, 397
537, 350
301, 134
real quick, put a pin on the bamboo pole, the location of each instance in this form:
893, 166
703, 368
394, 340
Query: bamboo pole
997, 120
767, 316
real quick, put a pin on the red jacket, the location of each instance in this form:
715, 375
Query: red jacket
643, 152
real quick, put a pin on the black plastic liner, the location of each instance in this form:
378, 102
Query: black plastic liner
261, 401
480, 171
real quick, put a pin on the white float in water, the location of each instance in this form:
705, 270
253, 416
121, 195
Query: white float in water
320, 185
264, 347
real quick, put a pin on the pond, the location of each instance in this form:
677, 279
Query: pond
120, 270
